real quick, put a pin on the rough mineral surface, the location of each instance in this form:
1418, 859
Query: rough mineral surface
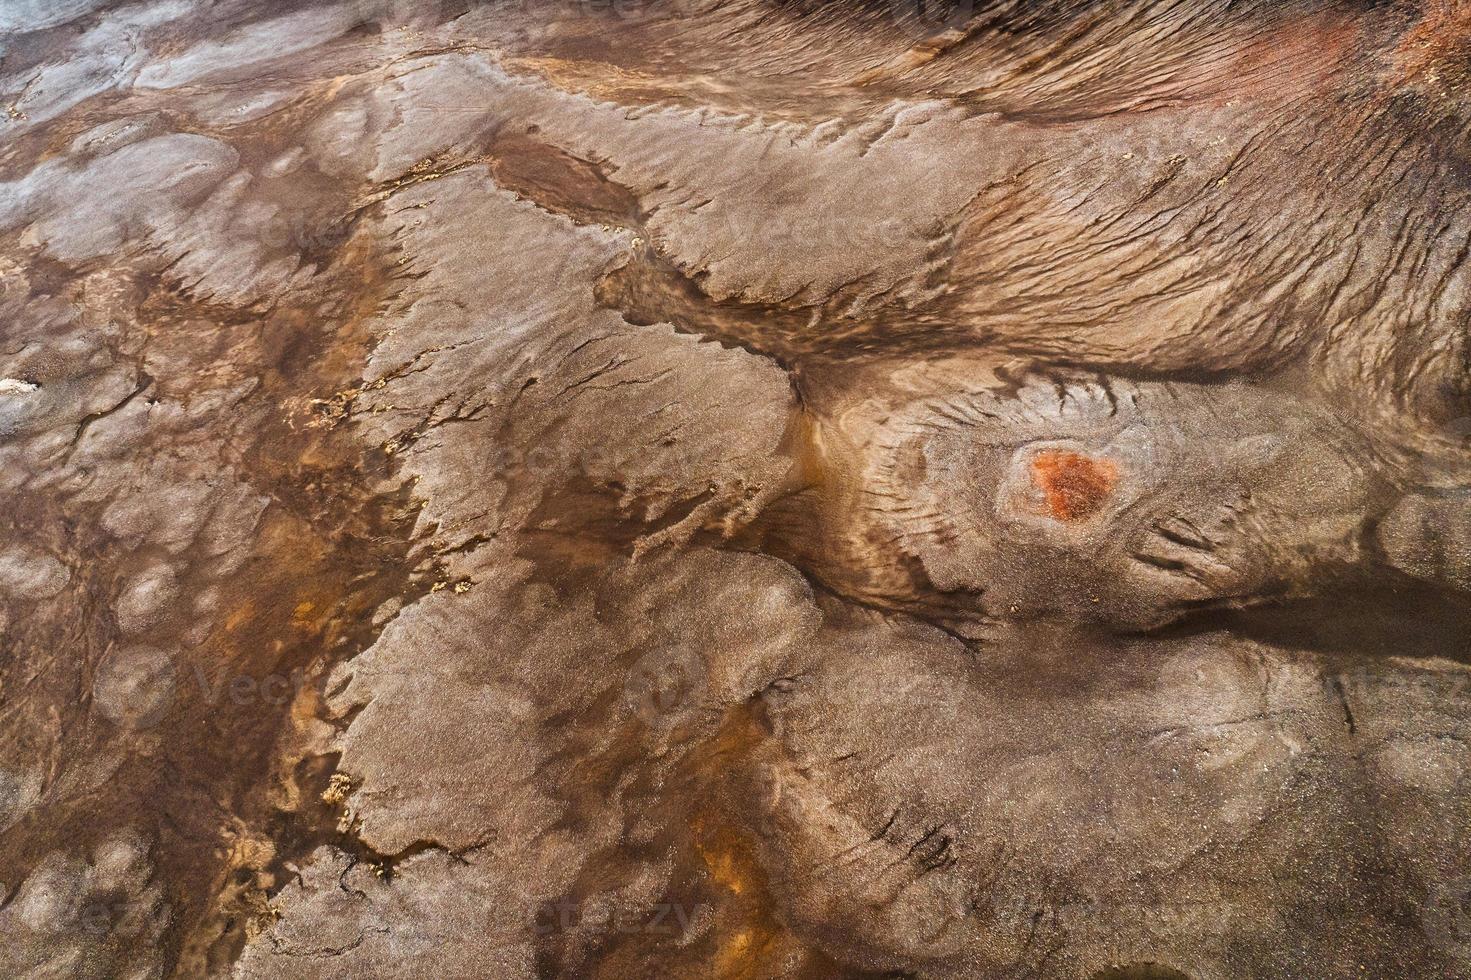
750, 489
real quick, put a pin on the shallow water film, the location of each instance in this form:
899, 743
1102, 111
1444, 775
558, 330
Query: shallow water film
735, 489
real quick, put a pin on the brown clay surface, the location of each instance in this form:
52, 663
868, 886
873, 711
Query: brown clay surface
734, 489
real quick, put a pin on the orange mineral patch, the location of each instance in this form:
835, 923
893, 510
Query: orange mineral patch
1074, 487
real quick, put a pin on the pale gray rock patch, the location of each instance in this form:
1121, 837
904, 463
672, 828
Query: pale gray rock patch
146, 599
21, 404
103, 59
152, 184
341, 921
710, 204
261, 41
97, 919
30, 574
19, 792
117, 133
235, 109
18, 16
134, 687
1428, 535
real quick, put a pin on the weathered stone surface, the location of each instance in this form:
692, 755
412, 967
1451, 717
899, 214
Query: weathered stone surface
734, 488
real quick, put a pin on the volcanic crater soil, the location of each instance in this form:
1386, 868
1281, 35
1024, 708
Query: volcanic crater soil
735, 489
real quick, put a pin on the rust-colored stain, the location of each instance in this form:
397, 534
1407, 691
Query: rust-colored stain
1298, 54
1436, 49
725, 865
1074, 486
746, 942
747, 939
240, 616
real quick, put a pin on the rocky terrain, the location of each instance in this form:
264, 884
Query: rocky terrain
738, 489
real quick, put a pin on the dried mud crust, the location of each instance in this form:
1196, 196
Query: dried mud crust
734, 489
